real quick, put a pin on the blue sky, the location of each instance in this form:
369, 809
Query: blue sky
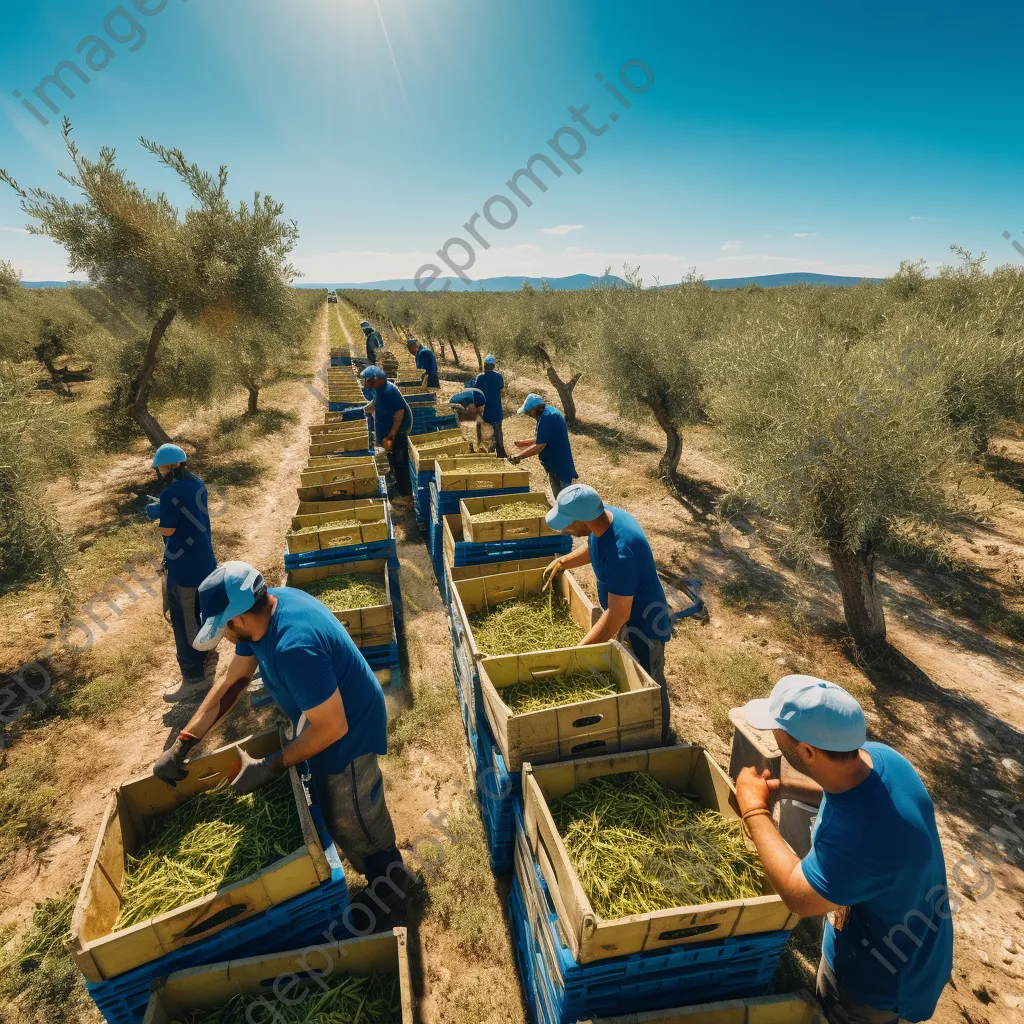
800, 136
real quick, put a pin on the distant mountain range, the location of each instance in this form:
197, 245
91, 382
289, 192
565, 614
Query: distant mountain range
575, 281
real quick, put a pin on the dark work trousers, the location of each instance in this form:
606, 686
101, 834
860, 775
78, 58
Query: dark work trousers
651, 656
556, 485
398, 460
843, 1007
432, 381
184, 608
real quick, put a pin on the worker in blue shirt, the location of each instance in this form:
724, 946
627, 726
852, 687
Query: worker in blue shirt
182, 514
491, 383
551, 443
426, 362
392, 418
635, 610
875, 867
311, 666
374, 342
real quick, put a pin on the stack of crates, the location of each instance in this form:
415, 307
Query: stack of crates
575, 965
443, 443
287, 905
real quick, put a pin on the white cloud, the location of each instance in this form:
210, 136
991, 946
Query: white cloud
525, 247
915, 218
562, 229
804, 234
735, 244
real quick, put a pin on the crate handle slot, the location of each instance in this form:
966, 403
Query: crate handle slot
222, 917
582, 723
505, 590
589, 745
209, 775
685, 933
544, 671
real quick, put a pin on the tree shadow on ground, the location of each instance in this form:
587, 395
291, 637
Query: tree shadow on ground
614, 438
241, 472
700, 498
1005, 469
263, 423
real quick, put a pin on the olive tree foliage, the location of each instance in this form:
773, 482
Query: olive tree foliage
842, 445
653, 345
10, 280
216, 264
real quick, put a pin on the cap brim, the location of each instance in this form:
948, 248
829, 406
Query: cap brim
759, 716
209, 634
558, 520
521, 411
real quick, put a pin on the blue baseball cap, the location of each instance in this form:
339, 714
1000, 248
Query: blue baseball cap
230, 590
577, 503
812, 711
490, 361
364, 323
412, 341
373, 373
169, 455
532, 401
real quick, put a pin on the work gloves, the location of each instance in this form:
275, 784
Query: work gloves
255, 774
153, 511
552, 571
171, 765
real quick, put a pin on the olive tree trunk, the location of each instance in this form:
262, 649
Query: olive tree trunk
862, 605
668, 464
143, 383
254, 399
563, 387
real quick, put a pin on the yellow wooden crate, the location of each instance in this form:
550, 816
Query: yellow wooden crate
344, 427
368, 627
341, 527
337, 419
686, 769
627, 720
450, 476
361, 479
791, 1008
214, 986
471, 595
322, 462
504, 529
422, 457
327, 444
102, 953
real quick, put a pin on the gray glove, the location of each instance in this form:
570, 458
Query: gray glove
171, 765
255, 774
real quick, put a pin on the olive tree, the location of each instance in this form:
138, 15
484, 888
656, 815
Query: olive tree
841, 445
216, 261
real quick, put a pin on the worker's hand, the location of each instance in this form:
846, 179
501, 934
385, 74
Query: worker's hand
153, 511
165, 597
253, 774
755, 790
514, 459
551, 572
171, 764
388, 443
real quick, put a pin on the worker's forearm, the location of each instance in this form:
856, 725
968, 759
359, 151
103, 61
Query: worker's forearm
534, 449
606, 628
577, 557
396, 423
218, 702
778, 859
310, 742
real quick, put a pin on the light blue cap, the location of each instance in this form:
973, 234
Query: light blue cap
577, 503
373, 373
490, 361
169, 455
532, 401
231, 589
812, 711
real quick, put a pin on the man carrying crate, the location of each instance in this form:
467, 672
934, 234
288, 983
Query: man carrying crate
426, 362
491, 383
876, 866
550, 443
636, 611
312, 668
392, 417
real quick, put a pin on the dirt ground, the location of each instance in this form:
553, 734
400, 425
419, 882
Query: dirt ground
949, 698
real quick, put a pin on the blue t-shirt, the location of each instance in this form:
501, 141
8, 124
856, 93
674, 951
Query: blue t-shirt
875, 849
557, 455
305, 656
373, 342
426, 360
188, 554
491, 383
624, 564
469, 398
386, 402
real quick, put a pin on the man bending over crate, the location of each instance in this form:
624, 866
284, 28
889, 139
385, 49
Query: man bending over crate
876, 866
313, 669
636, 611
392, 419
426, 362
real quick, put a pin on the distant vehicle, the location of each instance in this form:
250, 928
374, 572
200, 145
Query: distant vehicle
332, 296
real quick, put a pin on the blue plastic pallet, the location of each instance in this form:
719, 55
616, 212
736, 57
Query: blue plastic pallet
676, 976
432, 426
500, 793
349, 410
421, 401
341, 360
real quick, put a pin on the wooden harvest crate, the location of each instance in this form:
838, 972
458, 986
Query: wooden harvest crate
344, 427
486, 591
213, 986
418, 441
791, 1008
684, 768
449, 476
337, 419
351, 481
451, 532
505, 529
340, 527
101, 953
368, 627
628, 720
323, 462
327, 444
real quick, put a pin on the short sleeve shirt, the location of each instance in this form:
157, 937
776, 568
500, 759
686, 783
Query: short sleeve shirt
306, 656
426, 360
554, 435
188, 552
491, 383
386, 402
